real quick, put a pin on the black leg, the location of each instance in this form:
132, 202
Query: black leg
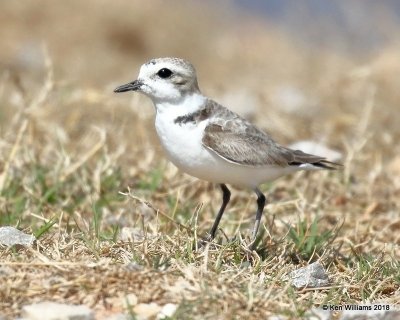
260, 207
226, 195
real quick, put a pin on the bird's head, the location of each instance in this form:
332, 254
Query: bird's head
164, 80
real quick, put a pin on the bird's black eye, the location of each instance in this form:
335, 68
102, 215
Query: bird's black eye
164, 73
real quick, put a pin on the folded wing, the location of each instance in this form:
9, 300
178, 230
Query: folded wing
237, 140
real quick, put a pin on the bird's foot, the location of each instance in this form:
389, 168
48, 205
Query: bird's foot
203, 241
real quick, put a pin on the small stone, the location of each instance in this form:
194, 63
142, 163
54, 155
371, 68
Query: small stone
311, 276
145, 311
56, 311
319, 149
9, 236
167, 311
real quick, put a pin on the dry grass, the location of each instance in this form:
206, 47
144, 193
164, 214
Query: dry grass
78, 165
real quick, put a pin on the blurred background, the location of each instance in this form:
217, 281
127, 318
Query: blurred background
302, 56
97, 35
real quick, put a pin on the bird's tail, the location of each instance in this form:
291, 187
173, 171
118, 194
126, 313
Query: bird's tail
328, 165
302, 159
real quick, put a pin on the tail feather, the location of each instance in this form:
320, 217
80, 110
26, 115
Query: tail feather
325, 164
301, 158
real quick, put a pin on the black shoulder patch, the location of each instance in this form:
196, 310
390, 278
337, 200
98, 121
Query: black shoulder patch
194, 117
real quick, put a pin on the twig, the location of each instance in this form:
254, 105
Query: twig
157, 211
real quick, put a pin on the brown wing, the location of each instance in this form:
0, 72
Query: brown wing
238, 141
252, 149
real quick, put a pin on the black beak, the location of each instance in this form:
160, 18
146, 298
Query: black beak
132, 86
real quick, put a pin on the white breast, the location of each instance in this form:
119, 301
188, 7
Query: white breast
183, 146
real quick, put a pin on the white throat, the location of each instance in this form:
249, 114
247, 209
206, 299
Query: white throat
188, 104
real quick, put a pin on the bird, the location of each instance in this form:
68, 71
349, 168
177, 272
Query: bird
208, 141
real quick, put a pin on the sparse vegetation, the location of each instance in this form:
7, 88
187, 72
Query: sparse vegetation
79, 165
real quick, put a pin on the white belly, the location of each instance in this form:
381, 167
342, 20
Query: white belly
183, 146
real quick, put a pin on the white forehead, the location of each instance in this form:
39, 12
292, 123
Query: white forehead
176, 65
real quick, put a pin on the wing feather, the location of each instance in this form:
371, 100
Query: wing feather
237, 140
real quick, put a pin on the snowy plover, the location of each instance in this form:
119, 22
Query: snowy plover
210, 142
